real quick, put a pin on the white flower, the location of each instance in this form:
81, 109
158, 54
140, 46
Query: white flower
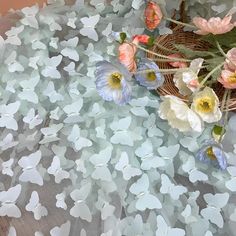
206, 105
179, 115
187, 81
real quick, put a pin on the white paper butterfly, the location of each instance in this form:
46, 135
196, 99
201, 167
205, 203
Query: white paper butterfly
50, 69
194, 174
8, 142
12, 231
28, 87
8, 202
7, 115
92, 55
29, 164
107, 32
32, 119
72, 18
121, 133
187, 215
73, 111
70, 68
148, 158
54, 42
30, 16
138, 106
78, 141
12, 35
12, 64
80, 208
33, 62
55, 114
167, 187
213, 210
56, 170
136, 4
63, 230
89, 27
61, 201
231, 184
50, 21
69, 49
36, 207
50, 133
7, 167
164, 230
145, 200
100, 162
52, 94
152, 129
127, 170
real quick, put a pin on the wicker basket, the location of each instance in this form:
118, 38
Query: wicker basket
191, 41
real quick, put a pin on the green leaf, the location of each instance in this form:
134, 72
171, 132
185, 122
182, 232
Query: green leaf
212, 64
189, 53
217, 132
151, 41
123, 37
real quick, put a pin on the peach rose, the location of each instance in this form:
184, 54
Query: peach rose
127, 53
142, 38
230, 62
215, 25
228, 79
177, 64
153, 15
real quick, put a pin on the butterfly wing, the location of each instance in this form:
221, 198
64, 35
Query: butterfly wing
148, 201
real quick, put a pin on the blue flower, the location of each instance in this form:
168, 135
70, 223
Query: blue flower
112, 82
211, 152
148, 74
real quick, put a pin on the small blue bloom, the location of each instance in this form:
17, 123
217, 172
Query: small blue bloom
212, 153
112, 82
148, 74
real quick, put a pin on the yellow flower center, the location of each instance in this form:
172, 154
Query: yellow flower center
210, 153
232, 79
151, 76
205, 105
114, 80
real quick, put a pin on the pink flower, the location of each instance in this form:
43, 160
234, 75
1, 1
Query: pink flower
153, 15
215, 25
127, 53
230, 62
177, 64
142, 38
228, 79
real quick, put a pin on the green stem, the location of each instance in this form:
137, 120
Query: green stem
210, 74
159, 55
180, 23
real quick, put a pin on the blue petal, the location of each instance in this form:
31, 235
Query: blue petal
220, 156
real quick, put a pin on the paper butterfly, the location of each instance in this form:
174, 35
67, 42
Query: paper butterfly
194, 174
63, 230
50, 21
92, 55
38, 233
33, 62
28, 87
36, 207
164, 230
30, 16
8, 202
136, 4
98, 4
13, 64
8, 142
80, 208
70, 68
167, 187
233, 216
50, 133
12, 231
138, 106
54, 43
7, 115
231, 184
107, 32
89, 27
100, 161
187, 215
213, 210
73, 111
29, 164
78, 141
145, 200
51, 65
6, 167
69, 49
71, 19
61, 201
52, 94
32, 119
121, 133
152, 129
55, 114
124, 166
148, 158
12, 35
56, 170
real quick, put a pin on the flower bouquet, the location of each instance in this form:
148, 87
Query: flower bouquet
193, 69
